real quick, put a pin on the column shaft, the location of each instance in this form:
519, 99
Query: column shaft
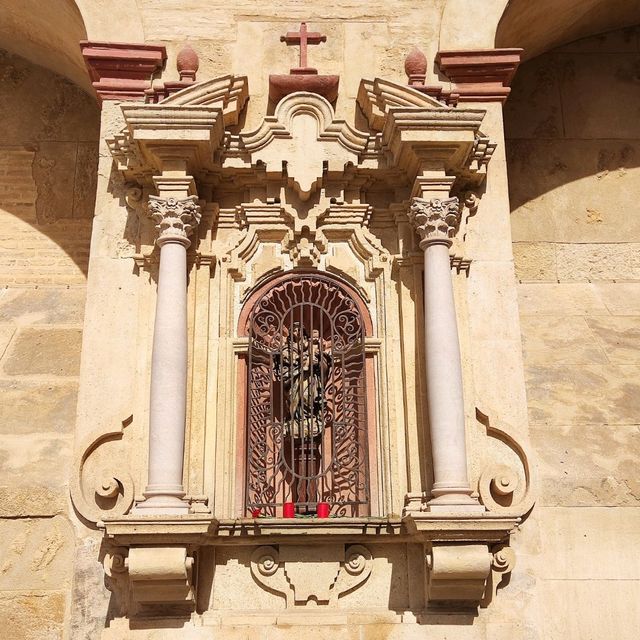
165, 493
444, 375
436, 221
169, 375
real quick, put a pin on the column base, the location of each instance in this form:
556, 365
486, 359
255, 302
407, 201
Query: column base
454, 502
159, 502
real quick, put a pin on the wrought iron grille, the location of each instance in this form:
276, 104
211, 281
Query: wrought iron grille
307, 426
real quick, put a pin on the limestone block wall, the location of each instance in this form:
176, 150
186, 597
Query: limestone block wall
48, 159
573, 149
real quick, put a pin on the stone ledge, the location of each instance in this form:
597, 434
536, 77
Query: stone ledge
208, 531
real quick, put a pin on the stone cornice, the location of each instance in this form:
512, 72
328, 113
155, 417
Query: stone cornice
189, 124
205, 530
480, 75
303, 145
122, 71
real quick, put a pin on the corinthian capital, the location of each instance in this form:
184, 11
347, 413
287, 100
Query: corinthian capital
435, 221
175, 219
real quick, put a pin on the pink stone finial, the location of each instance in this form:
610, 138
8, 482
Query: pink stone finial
187, 64
415, 66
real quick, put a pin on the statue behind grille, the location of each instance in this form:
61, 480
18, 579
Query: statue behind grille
306, 421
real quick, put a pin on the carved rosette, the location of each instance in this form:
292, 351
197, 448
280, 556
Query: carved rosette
175, 219
435, 221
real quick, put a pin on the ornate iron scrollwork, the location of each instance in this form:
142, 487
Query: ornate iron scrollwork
307, 436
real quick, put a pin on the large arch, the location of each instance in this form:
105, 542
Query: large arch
48, 33
542, 25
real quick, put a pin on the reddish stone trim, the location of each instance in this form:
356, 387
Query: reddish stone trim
481, 75
281, 86
415, 66
122, 71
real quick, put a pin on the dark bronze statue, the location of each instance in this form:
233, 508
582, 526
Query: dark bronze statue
304, 367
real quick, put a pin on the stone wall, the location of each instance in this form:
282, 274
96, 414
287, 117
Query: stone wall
48, 159
573, 149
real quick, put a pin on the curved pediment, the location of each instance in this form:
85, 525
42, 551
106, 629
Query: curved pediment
305, 135
376, 97
229, 93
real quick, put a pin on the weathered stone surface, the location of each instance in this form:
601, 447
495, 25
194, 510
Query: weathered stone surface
576, 191
570, 535
6, 333
619, 41
32, 615
589, 112
601, 471
55, 305
534, 109
560, 340
44, 351
39, 556
619, 337
40, 105
620, 298
580, 609
54, 170
32, 501
588, 262
28, 406
583, 394
90, 597
35, 459
86, 179
546, 299
535, 261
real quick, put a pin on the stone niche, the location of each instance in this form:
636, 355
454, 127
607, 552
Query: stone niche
307, 193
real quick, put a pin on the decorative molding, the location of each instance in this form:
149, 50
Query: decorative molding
156, 131
503, 489
149, 580
378, 97
435, 221
121, 71
228, 93
458, 572
101, 485
175, 219
321, 573
480, 75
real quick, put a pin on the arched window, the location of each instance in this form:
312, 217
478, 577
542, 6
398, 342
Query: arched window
306, 440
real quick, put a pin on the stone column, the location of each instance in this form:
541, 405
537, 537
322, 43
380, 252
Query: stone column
436, 222
176, 219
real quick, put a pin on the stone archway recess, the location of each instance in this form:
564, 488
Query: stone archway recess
49, 33
539, 26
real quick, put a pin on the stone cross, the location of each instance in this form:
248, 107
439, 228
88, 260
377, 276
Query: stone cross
303, 38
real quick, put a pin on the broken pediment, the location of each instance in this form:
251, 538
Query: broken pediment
303, 143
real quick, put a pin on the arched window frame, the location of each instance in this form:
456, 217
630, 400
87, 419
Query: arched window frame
243, 332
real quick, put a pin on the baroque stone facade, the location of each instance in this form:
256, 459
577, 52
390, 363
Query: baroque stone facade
351, 170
